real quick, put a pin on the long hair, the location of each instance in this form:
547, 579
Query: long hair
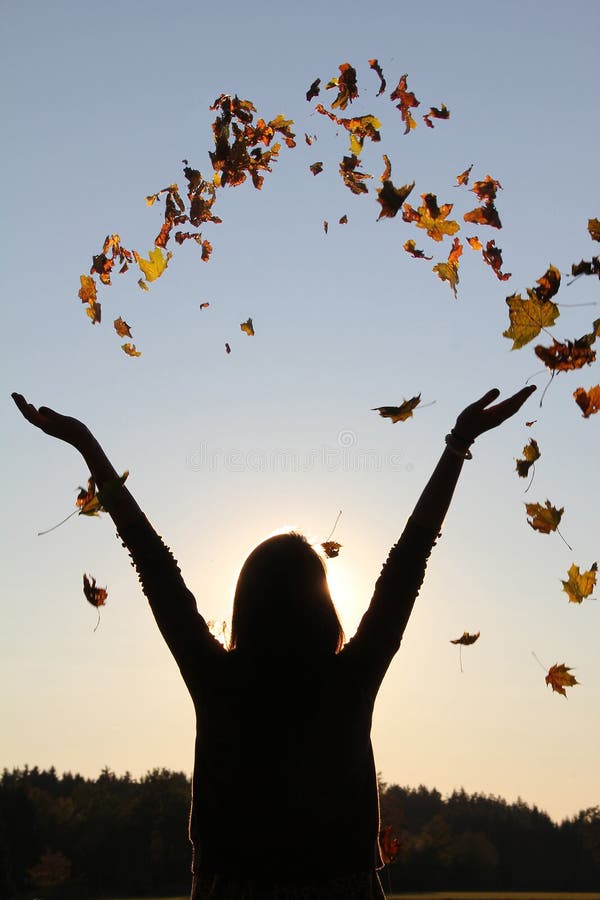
282, 603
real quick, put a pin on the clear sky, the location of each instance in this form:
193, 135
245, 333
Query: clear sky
100, 105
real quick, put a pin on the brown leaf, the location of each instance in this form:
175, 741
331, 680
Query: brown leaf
227, 349
313, 90
343, 220
316, 168
448, 271
492, 255
411, 248
346, 85
588, 401
594, 229
465, 639
559, 678
407, 102
391, 198
531, 453
331, 549
435, 113
463, 178
95, 595
130, 350
122, 328
544, 518
377, 68
353, 179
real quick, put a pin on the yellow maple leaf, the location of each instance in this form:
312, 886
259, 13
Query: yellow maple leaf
580, 584
431, 217
399, 413
87, 291
448, 271
153, 267
528, 317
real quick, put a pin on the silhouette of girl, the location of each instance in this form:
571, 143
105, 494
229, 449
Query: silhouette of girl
284, 795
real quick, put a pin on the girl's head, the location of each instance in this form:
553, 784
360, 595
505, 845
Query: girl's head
282, 603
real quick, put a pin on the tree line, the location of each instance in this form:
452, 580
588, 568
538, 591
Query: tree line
71, 837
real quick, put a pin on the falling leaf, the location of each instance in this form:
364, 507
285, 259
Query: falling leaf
531, 452
543, 518
310, 139
466, 639
227, 348
492, 255
532, 422
564, 357
313, 90
588, 401
474, 243
206, 251
331, 549
142, 284
448, 271
484, 215
102, 263
389, 845
407, 102
247, 327
353, 179
94, 595
325, 226
399, 413
580, 584
316, 168
88, 501
359, 128
346, 85
594, 229
528, 317
391, 198
586, 267
130, 350
411, 248
122, 328
204, 305
435, 113
153, 267
431, 217
343, 220
559, 678
87, 291
94, 311
373, 64
387, 172
463, 178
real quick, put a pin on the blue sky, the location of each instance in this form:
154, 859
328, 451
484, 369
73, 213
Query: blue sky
99, 108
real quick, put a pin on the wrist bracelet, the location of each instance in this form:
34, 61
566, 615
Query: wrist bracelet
451, 444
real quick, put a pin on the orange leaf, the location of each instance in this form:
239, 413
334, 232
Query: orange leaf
594, 229
559, 678
474, 243
399, 413
448, 271
130, 350
463, 178
580, 584
122, 328
544, 518
94, 595
588, 401
407, 102
87, 291
492, 255
247, 327
346, 85
435, 113
411, 248
484, 215
331, 549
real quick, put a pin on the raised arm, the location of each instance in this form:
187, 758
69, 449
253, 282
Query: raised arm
173, 605
380, 631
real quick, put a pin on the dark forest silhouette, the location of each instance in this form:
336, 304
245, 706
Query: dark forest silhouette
72, 837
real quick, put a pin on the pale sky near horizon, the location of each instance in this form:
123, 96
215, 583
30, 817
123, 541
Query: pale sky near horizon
100, 105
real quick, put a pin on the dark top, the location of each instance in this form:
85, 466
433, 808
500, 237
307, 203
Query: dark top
284, 784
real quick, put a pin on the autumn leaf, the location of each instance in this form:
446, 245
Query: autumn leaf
466, 639
448, 271
102, 263
227, 349
325, 226
313, 90
407, 102
87, 500
130, 350
586, 267
411, 248
331, 549
532, 422
204, 305
94, 311
343, 220
247, 327
391, 198
531, 452
358, 127
566, 356
588, 401
484, 215
594, 229
543, 518
559, 678
346, 85
121, 327
353, 179
142, 285
431, 217
435, 113
580, 585
492, 255
87, 291
94, 595
206, 251
389, 845
399, 413
153, 267
316, 168
387, 172
463, 178
528, 317
373, 64
474, 243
